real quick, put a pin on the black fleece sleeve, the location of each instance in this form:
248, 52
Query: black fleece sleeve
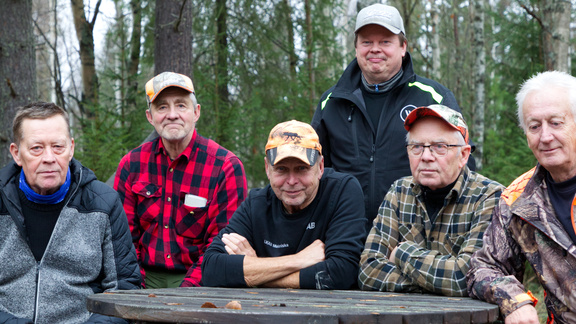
343, 243
219, 269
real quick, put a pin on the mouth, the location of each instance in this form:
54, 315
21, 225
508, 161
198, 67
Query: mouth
375, 59
548, 150
292, 192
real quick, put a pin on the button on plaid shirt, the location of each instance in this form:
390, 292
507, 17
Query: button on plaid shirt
431, 257
166, 233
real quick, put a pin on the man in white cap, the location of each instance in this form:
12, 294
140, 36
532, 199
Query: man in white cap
360, 119
178, 190
304, 230
430, 223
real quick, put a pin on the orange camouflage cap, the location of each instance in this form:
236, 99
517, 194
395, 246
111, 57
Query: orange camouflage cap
293, 139
165, 80
449, 115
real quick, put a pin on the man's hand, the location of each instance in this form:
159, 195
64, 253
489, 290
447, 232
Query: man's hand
237, 244
312, 254
524, 315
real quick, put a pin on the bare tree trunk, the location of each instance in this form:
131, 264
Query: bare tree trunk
457, 88
310, 58
135, 41
221, 100
173, 37
436, 53
17, 67
85, 34
479, 77
556, 34
292, 57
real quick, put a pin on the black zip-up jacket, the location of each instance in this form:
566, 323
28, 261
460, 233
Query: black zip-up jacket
350, 142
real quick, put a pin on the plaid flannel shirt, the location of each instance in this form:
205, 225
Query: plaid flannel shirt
166, 233
431, 257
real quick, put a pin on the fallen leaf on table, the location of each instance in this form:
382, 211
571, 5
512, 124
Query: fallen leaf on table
233, 305
151, 295
208, 305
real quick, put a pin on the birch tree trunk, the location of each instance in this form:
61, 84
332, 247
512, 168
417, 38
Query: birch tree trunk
479, 77
556, 34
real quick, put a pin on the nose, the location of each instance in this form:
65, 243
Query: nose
172, 112
375, 47
427, 154
292, 179
547, 133
48, 156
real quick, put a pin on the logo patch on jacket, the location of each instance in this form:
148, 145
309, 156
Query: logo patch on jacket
404, 112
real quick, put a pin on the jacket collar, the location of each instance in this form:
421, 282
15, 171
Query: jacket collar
534, 207
351, 78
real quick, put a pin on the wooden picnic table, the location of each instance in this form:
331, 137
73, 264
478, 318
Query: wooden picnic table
266, 305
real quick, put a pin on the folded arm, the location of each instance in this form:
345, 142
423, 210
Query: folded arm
280, 271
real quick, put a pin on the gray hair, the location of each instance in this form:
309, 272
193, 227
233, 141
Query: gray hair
546, 80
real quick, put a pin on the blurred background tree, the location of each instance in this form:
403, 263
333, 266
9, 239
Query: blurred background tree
256, 63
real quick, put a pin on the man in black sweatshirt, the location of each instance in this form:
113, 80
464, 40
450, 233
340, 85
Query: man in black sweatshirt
304, 230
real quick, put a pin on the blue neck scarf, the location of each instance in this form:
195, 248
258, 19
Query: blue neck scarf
54, 198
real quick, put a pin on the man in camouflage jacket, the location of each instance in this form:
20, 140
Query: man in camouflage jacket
534, 221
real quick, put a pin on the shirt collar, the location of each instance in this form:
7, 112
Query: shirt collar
187, 153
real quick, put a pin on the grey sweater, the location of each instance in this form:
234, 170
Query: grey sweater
90, 251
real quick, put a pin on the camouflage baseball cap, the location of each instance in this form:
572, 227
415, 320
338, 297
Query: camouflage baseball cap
293, 139
165, 80
451, 116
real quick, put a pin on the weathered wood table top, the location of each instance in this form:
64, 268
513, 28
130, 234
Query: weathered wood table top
262, 305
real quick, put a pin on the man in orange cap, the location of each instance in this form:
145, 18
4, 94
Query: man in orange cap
304, 230
430, 223
178, 190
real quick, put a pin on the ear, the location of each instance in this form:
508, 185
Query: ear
14, 150
464, 155
71, 149
267, 167
149, 116
404, 48
197, 113
321, 166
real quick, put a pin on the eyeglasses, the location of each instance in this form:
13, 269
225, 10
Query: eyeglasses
438, 149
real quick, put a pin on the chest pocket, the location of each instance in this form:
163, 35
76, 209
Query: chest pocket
191, 222
149, 198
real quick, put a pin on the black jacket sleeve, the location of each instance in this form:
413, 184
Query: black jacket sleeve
219, 269
343, 244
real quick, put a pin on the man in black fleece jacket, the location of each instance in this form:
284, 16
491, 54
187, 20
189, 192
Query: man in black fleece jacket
304, 230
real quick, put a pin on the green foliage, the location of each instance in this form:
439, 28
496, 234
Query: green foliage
120, 122
265, 88
516, 57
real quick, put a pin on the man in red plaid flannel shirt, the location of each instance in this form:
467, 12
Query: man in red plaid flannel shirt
178, 190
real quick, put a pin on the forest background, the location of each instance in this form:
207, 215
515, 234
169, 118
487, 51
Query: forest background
256, 63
